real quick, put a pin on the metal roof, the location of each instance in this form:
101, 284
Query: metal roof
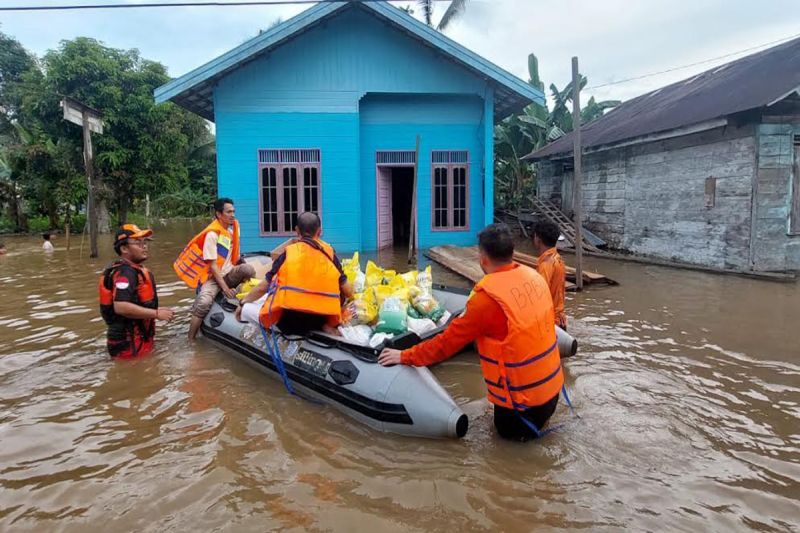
194, 90
758, 80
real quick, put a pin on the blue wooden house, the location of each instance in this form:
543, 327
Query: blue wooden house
322, 112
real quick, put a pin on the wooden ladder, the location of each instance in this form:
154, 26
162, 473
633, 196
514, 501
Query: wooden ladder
557, 217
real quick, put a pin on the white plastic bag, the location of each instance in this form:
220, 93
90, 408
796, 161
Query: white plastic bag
420, 326
359, 334
379, 339
360, 282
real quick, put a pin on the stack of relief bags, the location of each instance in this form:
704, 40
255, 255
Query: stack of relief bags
387, 303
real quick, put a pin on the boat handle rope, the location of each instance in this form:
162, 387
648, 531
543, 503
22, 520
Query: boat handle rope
270, 338
520, 408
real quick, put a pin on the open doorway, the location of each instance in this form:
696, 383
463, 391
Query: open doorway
394, 194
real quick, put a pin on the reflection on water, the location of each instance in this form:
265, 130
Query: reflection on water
687, 386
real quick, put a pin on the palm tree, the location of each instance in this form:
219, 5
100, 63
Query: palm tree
454, 10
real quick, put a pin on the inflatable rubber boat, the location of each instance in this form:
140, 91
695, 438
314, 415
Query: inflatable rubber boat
345, 375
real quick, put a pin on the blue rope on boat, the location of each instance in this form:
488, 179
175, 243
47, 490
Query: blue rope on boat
520, 408
272, 345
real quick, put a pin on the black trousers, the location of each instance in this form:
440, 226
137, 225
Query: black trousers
510, 426
299, 323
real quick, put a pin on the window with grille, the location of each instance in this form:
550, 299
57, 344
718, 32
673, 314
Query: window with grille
290, 185
450, 190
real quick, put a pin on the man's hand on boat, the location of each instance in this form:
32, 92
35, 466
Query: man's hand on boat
229, 293
389, 357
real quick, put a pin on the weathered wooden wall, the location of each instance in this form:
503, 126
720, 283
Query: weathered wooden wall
775, 247
650, 198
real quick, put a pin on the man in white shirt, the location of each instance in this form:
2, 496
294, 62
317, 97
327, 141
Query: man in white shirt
221, 268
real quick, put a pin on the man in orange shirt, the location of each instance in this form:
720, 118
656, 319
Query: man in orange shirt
551, 266
510, 315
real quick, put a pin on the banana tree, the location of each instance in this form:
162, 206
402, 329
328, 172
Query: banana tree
535, 127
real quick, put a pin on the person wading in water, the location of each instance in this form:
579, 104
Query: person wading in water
128, 296
510, 316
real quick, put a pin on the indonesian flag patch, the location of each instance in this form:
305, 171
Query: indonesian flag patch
122, 284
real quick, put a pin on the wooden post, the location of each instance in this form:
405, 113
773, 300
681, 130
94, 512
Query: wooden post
577, 154
90, 120
91, 204
67, 220
412, 237
147, 210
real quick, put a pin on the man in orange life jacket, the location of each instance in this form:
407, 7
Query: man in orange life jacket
212, 262
510, 315
128, 298
309, 284
551, 267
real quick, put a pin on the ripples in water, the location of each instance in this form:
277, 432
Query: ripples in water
686, 422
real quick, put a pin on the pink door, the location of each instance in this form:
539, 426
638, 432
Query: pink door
384, 201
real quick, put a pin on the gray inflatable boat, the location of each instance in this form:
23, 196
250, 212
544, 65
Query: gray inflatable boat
398, 399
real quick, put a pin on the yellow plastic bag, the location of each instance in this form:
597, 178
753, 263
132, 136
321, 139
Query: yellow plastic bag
388, 276
374, 274
381, 292
410, 278
248, 286
398, 282
352, 269
351, 264
413, 292
363, 309
402, 294
425, 279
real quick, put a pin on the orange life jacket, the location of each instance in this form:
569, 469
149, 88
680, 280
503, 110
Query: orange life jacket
308, 281
551, 267
190, 266
127, 337
524, 369
146, 289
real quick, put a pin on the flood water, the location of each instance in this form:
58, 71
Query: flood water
687, 385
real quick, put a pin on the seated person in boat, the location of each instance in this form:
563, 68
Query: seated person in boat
510, 316
211, 263
306, 286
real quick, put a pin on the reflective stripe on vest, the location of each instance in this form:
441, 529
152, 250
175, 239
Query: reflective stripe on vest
308, 281
524, 369
190, 266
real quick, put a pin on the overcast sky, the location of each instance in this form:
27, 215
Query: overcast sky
614, 39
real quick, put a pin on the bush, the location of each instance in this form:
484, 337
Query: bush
38, 224
186, 202
138, 219
6, 225
78, 223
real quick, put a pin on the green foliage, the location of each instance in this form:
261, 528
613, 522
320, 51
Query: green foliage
39, 224
144, 149
7, 225
137, 218
187, 202
519, 135
15, 61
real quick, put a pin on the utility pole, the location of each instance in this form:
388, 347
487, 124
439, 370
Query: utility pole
577, 154
92, 121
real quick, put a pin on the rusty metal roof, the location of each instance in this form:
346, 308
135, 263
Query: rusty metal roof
758, 80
